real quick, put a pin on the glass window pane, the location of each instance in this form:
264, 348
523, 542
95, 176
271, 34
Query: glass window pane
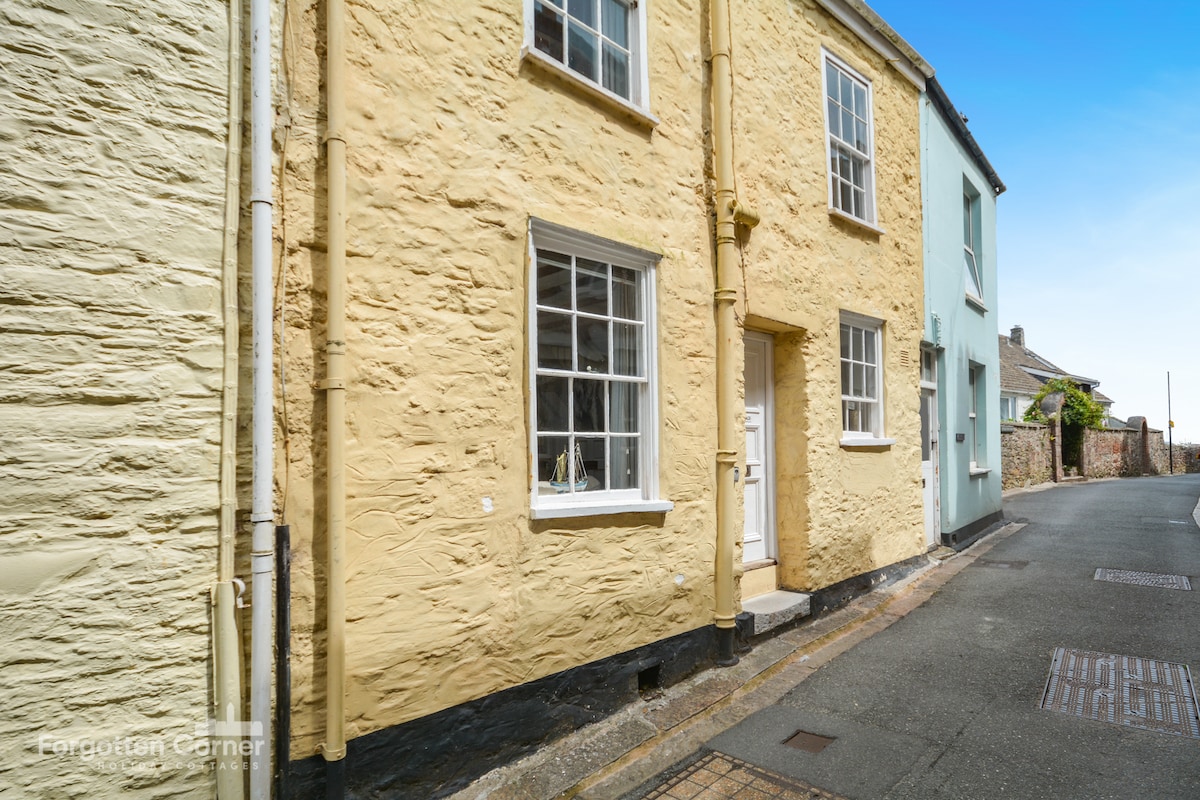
860, 135
856, 344
843, 165
869, 385
591, 286
847, 202
845, 330
553, 461
624, 463
554, 340
860, 101
847, 126
831, 81
594, 472
625, 293
583, 10
548, 31
616, 70
553, 279
859, 381
592, 345
588, 412
856, 173
846, 91
867, 419
615, 21
869, 347
581, 51
623, 406
860, 204
553, 404
966, 221
853, 417
627, 349
845, 377
835, 117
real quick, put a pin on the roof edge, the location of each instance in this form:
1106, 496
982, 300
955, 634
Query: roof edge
871, 28
942, 101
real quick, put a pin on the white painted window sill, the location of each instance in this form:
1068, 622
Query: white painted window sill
853, 220
978, 472
862, 443
598, 94
598, 509
976, 303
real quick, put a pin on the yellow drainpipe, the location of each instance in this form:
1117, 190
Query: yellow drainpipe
227, 667
334, 748
729, 215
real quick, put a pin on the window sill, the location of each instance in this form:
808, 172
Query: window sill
863, 443
976, 303
978, 472
599, 509
598, 94
837, 213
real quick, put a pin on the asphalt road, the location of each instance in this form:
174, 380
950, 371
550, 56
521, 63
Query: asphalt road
946, 702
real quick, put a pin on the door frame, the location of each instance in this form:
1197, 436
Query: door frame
929, 404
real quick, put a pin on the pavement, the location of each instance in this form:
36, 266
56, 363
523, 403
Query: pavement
1005, 671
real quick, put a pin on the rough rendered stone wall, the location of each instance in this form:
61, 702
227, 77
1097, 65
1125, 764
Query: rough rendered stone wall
454, 593
1112, 453
1025, 455
110, 353
841, 512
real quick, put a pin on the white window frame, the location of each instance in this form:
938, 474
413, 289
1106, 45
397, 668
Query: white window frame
638, 100
835, 142
848, 323
972, 268
1011, 403
549, 502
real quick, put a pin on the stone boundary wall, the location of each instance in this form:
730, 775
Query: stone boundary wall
1024, 455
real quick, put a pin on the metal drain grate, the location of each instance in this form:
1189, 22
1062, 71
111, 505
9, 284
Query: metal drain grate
1123, 690
809, 742
1144, 578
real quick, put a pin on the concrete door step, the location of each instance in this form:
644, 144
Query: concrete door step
770, 610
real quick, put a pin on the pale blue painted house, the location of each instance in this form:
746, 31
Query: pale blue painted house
960, 363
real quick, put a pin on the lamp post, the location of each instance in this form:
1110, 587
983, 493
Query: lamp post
1170, 426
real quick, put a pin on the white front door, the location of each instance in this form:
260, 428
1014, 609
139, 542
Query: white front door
759, 478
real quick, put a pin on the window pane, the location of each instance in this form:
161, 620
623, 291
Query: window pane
843, 169
554, 340
834, 118
853, 416
627, 349
584, 11
860, 204
553, 404
553, 463
869, 347
856, 173
624, 461
846, 91
972, 274
831, 81
553, 279
625, 293
548, 31
860, 101
591, 286
859, 381
581, 51
594, 466
856, 344
966, 221
869, 384
845, 330
847, 126
847, 203
867, 419
860, 135
616, 70
623, 406
845, 377
615, 21
593, 345
589, 405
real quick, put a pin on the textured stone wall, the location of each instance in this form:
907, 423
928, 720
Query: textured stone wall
110, 355
841, 512
1025, 455
454, 592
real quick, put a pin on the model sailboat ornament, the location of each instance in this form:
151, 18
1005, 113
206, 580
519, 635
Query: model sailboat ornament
561, 480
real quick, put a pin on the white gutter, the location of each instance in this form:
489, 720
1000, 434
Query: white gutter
262, 555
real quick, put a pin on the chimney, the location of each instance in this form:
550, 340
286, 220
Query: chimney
1017, 336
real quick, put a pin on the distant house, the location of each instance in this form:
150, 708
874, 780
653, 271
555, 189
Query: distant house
1023, 372
959, 364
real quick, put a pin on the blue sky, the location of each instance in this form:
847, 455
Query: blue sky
1090, 113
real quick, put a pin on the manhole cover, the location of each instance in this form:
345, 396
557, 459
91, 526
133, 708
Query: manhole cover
717, 776
1123, 690
1144, 578
809, 742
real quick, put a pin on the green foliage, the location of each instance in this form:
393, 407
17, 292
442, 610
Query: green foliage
1078, 407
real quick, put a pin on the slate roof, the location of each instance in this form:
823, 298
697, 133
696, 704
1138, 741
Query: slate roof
1016, 363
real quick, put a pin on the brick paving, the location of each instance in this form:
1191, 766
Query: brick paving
717, 776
